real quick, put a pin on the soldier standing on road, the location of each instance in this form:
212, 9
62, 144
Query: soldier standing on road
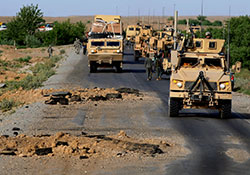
148, 65
158, 67
50, 51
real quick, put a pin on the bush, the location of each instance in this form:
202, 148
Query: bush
62, 33
7, 105
242, 81
62, 52
24, 60
41, 72
182, 22
32, 42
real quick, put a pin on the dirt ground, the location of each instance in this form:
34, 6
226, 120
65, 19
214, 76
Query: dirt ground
14, 68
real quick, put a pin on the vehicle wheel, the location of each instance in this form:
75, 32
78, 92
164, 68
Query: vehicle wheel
173, 107
118, 68
93, 68
137, 56
225, 110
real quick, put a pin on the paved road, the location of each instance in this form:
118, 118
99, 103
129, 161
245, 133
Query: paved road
205, 134
207, 137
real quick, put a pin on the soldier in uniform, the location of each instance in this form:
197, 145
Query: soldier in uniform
158, 66
148, 65
50, 50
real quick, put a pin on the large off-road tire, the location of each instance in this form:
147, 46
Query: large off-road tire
173, 107
118, 69
93, 67
225, 109
137, 55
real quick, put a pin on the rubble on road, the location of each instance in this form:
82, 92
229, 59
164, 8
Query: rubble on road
69, 96
96, 94
84, 146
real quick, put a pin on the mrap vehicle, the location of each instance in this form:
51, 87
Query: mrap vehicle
105, 43
200, 77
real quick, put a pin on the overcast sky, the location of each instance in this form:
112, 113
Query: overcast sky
129, 7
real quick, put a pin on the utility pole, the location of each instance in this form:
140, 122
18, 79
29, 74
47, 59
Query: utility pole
228, 49
163, 15
138, 15
201, 17
175, 29
149, 16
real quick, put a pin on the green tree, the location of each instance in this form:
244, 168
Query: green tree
25, 23
217, 23
62, 33
194, 22
240, 40
182, 21
201, 18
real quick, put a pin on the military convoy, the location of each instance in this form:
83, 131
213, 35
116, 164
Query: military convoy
200, 77
105, 43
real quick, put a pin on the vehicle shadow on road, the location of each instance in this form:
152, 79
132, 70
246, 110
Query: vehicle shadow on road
133, 62
212, 115
123, 71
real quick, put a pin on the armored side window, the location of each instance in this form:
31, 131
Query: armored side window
212, 45
198, 44
97, 43
113, 44
131, 29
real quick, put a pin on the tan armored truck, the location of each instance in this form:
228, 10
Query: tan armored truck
131, 32
200, 77
105, 43
141, 42
161, 44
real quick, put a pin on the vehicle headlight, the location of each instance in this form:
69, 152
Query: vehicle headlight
118, 51
222, 86
179, 85
93, 51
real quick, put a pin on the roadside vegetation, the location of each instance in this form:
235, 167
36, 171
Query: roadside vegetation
201, 20
23, 30
40, 73
7, 105
242, 81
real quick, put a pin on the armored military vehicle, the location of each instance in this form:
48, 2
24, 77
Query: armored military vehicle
131, 32
200, 77
105, 43
141, 42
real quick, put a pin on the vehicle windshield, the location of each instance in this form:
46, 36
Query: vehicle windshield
189, 62
193, 62
113, 44
131, 29
213, 62
138, 29
97, 43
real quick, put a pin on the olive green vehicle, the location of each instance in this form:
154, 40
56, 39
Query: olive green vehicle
105, 43
200, 77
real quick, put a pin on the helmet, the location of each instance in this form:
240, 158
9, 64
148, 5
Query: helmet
208, 34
